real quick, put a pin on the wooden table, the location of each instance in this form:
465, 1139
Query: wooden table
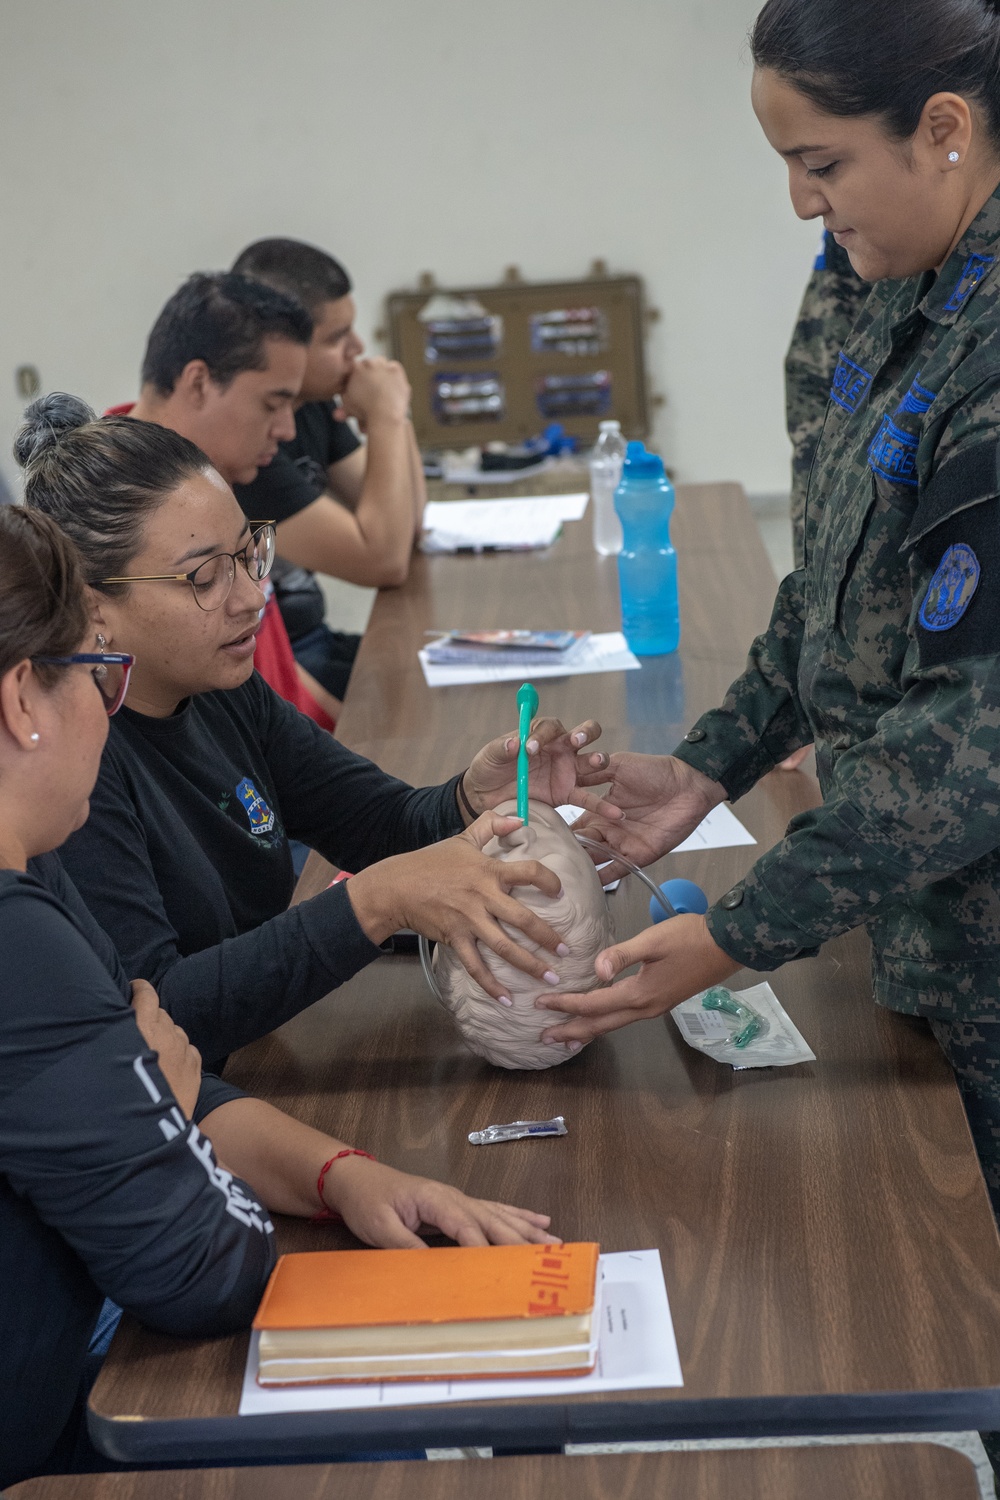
829, 1251
903, 1471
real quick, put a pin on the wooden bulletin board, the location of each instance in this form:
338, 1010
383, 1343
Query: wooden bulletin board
499, 363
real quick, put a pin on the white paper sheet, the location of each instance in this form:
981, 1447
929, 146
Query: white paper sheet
527, 522
637, 1351
722, 829
601, 653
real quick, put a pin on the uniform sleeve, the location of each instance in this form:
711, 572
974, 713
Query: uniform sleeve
833, 298
920, 799
91, 1136
761, 720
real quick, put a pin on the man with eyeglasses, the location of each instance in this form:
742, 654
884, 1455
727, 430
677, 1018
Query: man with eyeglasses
223, 367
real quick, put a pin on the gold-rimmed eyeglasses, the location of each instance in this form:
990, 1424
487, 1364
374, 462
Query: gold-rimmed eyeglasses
212, 581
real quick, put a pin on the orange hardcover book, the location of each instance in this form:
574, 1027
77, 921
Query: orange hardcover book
456, 1312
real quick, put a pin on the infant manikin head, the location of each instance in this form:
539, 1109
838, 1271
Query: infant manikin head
511, 1037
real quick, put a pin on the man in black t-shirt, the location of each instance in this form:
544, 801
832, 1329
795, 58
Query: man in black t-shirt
348, 510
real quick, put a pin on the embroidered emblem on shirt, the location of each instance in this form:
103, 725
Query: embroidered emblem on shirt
260, 815
850, 384
893, 454
951, 589
973, 271
313, 471
917, 400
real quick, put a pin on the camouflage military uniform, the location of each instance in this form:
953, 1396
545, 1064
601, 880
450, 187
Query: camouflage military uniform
885, 650
833, 299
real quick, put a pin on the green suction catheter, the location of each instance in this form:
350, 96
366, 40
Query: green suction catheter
527, 708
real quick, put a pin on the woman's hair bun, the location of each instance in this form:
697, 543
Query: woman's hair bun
46, 421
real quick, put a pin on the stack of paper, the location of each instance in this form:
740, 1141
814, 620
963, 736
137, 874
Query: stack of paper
497, 648
498, 525
466, 1310
636, 1351
600, 653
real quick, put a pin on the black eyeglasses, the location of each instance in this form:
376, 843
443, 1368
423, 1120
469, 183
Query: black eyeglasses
212, 581
110, 670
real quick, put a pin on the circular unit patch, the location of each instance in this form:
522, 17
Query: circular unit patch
952, 588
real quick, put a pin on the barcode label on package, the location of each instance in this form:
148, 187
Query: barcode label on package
702, 1025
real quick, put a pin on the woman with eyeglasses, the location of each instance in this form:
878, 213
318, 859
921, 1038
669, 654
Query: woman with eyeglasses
112, 1141
208, 774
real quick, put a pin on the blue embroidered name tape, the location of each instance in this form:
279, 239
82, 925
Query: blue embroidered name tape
893, 454
973, 271
851, 384
952, 588
260, 815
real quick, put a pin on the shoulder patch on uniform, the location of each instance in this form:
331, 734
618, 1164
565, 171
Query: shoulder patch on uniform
969, 478
917, 401
957, 618
973, 271
851, 384
952, 589
893, 454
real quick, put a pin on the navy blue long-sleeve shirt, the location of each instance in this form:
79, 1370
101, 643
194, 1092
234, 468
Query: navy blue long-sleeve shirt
105, 1188
184, 860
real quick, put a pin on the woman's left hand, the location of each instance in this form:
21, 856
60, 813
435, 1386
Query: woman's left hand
677, 959
556, 759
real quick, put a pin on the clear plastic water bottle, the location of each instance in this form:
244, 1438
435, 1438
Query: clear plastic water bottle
605, 473
647, 563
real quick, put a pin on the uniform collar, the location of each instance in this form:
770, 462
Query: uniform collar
974, 260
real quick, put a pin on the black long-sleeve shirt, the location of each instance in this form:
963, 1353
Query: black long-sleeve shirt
184, 860
105, 1188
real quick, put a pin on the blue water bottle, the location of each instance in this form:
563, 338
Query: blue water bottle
647, 563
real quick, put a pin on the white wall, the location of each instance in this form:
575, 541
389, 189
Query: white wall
143, 139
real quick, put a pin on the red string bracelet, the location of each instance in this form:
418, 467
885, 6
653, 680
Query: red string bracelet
329, 1215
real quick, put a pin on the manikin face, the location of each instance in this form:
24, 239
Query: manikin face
511, 1038
240, 425
181, 649
892, 205
332, 352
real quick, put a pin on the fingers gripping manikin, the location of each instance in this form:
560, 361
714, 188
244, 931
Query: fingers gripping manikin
510, 1037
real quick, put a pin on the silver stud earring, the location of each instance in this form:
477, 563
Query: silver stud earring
953, 156
101, 641
35, 737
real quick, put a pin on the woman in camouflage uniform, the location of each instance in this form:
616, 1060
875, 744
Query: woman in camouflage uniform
884, 648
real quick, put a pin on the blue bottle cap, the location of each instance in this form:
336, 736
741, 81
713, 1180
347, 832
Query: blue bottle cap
642, 465
683, 895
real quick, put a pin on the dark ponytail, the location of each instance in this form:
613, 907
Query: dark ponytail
885, 57
100, 480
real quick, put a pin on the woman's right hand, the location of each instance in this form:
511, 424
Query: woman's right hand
453, 894
180, 1062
